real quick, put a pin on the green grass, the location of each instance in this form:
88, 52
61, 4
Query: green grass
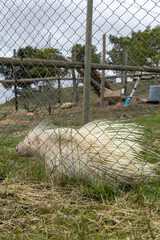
14, 166
33, 207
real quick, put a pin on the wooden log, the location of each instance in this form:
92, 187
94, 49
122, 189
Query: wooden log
112, 97
64, 64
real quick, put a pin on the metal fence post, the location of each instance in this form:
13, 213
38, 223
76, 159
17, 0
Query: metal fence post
87, 74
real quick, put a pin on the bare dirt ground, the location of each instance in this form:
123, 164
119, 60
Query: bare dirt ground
73, 116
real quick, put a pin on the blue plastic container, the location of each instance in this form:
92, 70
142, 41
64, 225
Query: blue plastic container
127, 101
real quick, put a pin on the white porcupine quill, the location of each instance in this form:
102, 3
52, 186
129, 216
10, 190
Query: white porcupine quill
100, 150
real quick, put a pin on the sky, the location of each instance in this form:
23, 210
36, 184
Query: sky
61, 23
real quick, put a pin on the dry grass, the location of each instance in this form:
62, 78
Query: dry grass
41, 211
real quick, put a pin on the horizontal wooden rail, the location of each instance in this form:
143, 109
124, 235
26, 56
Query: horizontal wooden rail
30, 80
26, 62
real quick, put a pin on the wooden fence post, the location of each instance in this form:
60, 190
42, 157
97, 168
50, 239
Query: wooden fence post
75, 85
103, 72
124, 84
59, 87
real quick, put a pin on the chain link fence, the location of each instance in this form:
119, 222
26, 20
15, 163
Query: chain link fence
79, 108
90, 69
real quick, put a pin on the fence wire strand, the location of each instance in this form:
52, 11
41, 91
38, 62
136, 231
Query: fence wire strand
50, 66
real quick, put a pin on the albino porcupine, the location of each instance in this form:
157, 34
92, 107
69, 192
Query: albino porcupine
100, 150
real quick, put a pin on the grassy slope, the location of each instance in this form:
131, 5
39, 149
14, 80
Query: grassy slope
32, 208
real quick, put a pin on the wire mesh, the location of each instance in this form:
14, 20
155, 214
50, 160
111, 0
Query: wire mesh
43, 50
79, 119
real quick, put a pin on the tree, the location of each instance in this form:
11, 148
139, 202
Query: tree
32, 72
143, 48
78, 53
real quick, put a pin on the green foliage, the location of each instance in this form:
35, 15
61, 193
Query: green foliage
32, 72
143, 48
36, 53
78, 53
